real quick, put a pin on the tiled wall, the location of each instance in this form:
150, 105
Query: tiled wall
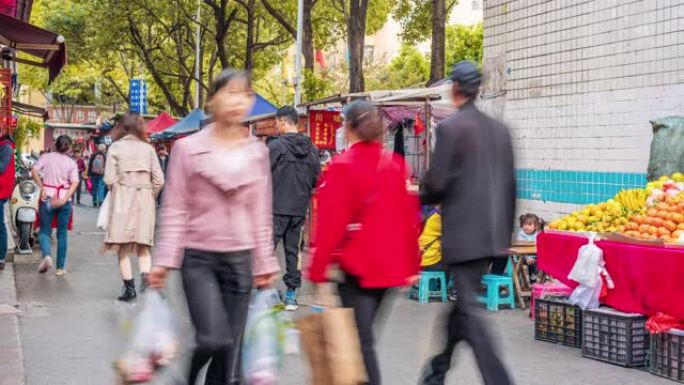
579, 187
582, 81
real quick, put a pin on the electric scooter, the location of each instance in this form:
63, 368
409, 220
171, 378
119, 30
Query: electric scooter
24, 210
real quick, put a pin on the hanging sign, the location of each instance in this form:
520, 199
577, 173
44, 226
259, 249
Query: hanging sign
323, 124
137, 95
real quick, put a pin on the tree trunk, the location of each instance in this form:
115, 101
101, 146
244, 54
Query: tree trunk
438, 41
356, 39
249, 49
307, 38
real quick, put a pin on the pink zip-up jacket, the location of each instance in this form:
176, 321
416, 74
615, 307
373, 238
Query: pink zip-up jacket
217, 200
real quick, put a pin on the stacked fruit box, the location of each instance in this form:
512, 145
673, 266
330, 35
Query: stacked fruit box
615, 337
667, 355
556, 320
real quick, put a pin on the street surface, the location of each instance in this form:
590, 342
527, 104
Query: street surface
72, 328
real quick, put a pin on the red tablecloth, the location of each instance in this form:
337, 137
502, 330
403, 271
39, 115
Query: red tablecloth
648, 279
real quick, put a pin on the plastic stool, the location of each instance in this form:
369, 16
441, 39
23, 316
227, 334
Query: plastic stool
427, 286
492, 299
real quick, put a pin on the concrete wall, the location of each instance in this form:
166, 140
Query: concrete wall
582, 81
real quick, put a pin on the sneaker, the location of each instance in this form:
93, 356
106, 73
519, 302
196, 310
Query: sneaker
60, 272
452, 297
45, 265
291, 300
2, 265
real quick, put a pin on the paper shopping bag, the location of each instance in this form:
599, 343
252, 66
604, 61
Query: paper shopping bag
331, 342
313, 343
342, 347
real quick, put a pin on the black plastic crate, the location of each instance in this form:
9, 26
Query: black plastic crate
667, 355
615, 337
556, 320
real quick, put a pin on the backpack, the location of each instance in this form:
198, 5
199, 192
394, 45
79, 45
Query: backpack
98, 165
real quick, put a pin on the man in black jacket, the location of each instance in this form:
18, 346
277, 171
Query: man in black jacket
471, 174
295, 168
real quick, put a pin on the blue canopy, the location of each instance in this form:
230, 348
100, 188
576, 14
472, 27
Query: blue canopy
262, 107
185, 126
197, 119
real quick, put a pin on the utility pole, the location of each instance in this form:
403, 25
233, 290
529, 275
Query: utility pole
198, 37
298, 54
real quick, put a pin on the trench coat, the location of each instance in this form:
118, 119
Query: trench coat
472, 175
134, 179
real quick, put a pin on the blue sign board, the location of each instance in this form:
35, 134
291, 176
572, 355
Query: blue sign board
138, 96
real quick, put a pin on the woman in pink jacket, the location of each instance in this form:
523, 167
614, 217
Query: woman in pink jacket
216, 227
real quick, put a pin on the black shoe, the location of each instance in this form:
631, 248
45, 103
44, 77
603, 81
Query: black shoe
128, 293
2, 265
430, 376
143, 282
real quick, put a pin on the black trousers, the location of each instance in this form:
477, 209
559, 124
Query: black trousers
289, 230
464, 323
366, 304
218, 288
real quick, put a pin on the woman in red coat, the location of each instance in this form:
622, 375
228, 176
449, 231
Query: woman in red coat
368, 224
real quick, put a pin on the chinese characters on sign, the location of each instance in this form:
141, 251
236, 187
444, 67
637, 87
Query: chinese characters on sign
323, 125
138, 96
5, 101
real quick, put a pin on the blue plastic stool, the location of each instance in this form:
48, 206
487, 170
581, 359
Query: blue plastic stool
493, 282
432, 284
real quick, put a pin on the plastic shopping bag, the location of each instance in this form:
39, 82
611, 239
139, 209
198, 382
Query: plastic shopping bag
89, 185
587, 297
103, 214
154, 342
588, 264
262, 348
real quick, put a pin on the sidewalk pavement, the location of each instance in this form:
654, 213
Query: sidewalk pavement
11, 360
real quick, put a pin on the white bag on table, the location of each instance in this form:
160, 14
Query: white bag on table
587, 266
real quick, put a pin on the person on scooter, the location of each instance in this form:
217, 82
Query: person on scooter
6, 186
58, 184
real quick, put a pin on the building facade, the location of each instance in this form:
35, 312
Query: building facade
578, 83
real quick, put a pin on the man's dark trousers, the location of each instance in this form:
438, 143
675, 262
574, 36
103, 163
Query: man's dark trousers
465, 324
289, 229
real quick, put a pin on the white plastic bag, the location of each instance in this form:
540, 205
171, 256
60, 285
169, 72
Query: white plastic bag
588, 263
586, 297
103, 214
154, 342
262, 342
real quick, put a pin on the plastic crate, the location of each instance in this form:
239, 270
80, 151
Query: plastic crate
556, 320
615, 337
667, 355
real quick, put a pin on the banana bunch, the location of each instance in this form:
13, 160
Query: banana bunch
633, 200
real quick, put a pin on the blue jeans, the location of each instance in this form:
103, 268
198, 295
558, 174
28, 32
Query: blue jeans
63, 213
98, 189
3, 231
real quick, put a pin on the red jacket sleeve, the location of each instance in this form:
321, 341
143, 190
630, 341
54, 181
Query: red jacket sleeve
336, 208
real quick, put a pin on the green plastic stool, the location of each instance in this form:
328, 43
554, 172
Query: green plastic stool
433, 284
493, 282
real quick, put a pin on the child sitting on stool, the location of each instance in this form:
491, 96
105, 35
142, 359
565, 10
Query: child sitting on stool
530, 226
430, 244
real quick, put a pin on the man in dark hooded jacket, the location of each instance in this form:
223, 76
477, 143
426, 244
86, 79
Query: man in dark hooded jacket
295, 168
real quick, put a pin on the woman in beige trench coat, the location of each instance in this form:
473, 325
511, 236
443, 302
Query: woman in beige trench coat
134, 178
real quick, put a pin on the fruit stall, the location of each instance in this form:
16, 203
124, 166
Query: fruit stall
641, 233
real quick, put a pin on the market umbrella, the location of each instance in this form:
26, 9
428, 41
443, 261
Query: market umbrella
160, 123
185, 126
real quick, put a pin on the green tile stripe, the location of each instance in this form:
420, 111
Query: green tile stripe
579, 187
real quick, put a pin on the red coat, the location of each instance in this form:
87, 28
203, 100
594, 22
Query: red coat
7, 178
383, 251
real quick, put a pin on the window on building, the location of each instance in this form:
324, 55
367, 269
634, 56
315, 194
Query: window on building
92, 116
476, 5
56, 114
80, 116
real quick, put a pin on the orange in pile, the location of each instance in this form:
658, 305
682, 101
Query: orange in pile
663, 221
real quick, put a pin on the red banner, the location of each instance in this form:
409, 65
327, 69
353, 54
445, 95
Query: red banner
267, 127
323, 125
